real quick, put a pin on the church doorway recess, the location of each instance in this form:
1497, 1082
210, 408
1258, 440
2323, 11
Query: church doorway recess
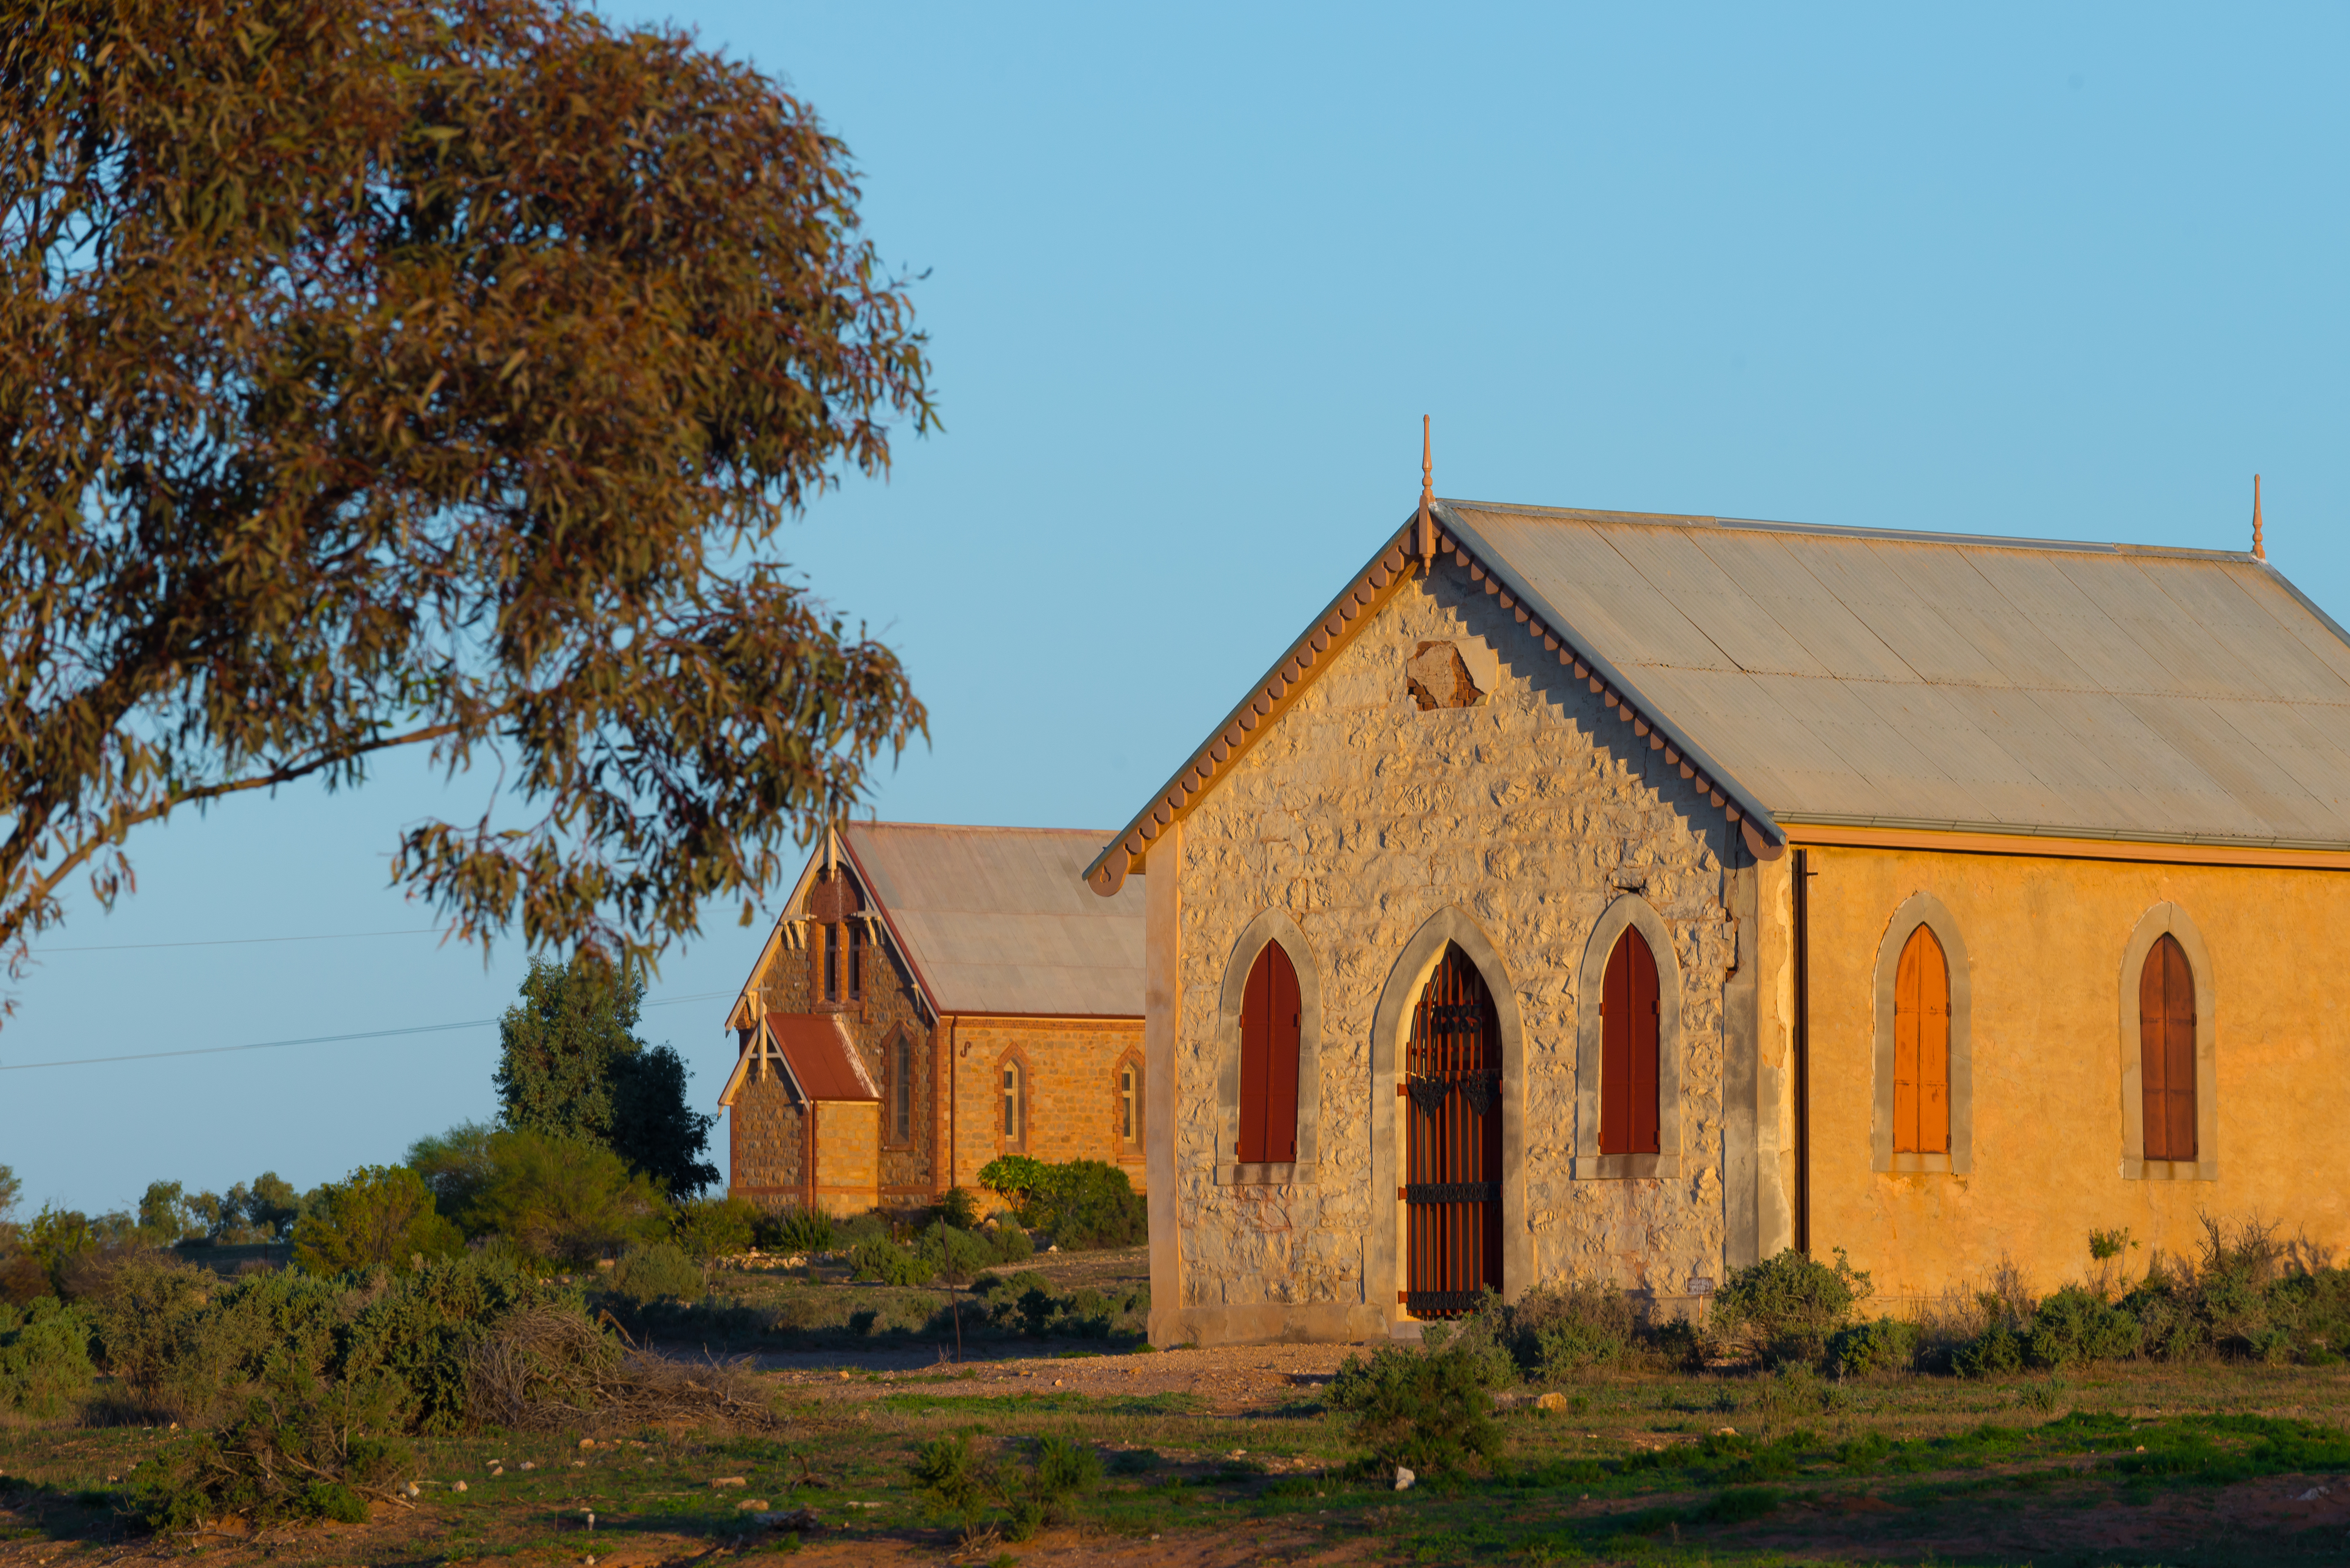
1452, 1162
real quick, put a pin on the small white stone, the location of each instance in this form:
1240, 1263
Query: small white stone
1404, 1477
459, 1487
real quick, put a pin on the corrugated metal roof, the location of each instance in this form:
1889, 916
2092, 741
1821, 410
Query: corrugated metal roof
820, 1056
999, 920
1945, 680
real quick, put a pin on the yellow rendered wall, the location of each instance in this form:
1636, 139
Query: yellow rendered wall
848, 1155
2044, 940
1072, 1067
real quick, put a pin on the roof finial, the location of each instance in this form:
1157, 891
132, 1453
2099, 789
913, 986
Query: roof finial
2259, 545
1425, 540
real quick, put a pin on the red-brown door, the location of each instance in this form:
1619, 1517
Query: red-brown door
1452, 1119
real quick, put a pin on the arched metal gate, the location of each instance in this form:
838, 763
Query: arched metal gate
1452, 1139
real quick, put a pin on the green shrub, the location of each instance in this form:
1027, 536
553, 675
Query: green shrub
567, 1198
191, 1353
886, 1262
302, 1448
2316, 1304
1565, 1326
1887, 1344
43, 1358
794, 1230
378, 1216
1008, 1243
656, 1272
1014, 1501
1083, 1203
958, 1208
1425, 1409
427, 1329
1995, 1352
710, 1228
2076, 1324
185, 1346
1787, 1307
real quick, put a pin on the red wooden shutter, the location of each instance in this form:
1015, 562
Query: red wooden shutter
1922, 1047
1627, 1049
2166, 1037
1281, 1073
1269, 1031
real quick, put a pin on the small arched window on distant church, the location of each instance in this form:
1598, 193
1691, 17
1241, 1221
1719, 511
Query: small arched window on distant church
1268, 1034
2166, 1010
1014, 1103
1627, 1049
1922, 1047
1126, 1118
898, 1071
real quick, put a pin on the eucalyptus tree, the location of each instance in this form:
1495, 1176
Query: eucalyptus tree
432, 375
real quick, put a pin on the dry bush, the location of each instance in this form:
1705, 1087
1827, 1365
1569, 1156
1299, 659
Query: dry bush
547, 1370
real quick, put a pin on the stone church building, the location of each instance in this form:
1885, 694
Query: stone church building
1637, 897
932, 998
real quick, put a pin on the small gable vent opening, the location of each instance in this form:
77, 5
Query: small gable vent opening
1438, 677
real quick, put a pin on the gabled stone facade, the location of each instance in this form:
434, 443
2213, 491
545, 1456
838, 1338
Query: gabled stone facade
1362, 818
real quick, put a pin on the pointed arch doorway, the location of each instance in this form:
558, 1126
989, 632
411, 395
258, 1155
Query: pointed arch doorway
1451, 1089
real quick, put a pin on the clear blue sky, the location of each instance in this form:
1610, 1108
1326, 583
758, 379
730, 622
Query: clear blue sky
1194, 275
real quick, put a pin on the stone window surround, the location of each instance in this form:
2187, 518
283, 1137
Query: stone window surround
1012, 1056
1922, 908
2167, 918
1270, 925
1130, 1060
1390, 1031
1629, 911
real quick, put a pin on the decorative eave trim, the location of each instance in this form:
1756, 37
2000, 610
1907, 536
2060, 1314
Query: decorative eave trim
1346, 615
1335, 627
2064, 842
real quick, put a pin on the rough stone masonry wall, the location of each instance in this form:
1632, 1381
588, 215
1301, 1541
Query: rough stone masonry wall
1072, 1090
785, 986
765, 1160
1360, 815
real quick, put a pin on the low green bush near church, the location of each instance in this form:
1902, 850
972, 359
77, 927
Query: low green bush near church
1082, 1203
1787, 1307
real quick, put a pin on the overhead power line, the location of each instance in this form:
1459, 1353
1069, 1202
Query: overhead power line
313, 1039
237, 941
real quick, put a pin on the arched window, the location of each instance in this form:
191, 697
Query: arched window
1129, 1106
2166, 1010
901, 1086
1269, 1028
1015, 1104
1922, 1047
1628, 1048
